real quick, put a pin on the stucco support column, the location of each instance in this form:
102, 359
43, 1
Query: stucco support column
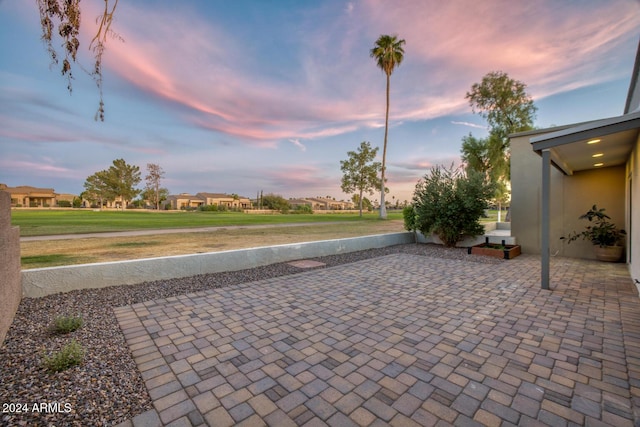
544, 229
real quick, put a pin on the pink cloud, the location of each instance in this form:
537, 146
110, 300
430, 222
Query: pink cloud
208, 78
35, 167
551, 46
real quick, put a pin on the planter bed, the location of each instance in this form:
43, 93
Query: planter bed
495, 250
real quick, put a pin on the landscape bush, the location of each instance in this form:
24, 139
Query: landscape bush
70, 355
66, 324
302, 209
208, 208
449, 203
409, 217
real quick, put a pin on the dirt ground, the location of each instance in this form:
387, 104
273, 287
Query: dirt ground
48, 253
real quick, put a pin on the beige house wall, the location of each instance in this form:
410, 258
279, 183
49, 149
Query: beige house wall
571, 196
225, 200
632, 206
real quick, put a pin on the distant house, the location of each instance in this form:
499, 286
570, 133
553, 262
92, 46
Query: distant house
232, 201
190, 201
183, 201
559, 173
295, 203
31, 197
321, 203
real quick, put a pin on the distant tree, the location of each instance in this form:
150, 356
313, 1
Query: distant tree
366, 203
360, 172
97, 189
275, 202
504, 103
61, 18
152, 187
388, 52
507, 107
475, 154
150, 195
119, 180
122, 179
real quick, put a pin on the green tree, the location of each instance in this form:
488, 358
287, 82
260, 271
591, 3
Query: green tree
275, 202
366, 203
122, 179
388, 52
60, 22
152, 191
150, 195
480, 155
504, 103
119, 181
475, 154
97, 189
507, 107
449, 203
360, 172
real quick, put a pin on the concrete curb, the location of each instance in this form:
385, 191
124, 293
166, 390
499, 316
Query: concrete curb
40, 282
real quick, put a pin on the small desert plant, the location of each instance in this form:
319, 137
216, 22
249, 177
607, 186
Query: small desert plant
70, 355
66, 324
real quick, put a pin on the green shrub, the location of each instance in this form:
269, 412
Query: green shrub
70, 355
450, 203
64, 204
66, 324
302, 209
275, 202
208, 208
409, 216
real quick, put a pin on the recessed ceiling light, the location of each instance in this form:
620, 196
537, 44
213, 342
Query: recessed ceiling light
598, 155
598, 164
594, 141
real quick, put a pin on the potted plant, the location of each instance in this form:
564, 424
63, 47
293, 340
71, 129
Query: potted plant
604, 235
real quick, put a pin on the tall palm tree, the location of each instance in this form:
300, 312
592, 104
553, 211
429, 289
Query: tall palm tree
388, 53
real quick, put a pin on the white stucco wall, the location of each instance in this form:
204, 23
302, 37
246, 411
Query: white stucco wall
45, 281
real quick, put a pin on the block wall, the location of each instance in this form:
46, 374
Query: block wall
10, 275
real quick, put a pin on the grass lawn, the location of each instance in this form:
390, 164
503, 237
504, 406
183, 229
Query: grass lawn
42, 222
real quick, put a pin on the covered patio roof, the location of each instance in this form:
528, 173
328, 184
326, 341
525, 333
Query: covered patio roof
590, 145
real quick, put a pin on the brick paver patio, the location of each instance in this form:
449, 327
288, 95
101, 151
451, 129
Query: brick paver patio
399, 340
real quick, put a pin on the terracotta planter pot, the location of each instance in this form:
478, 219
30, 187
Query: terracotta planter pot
609, 253
494, 250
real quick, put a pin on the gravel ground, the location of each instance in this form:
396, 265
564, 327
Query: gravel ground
106, 388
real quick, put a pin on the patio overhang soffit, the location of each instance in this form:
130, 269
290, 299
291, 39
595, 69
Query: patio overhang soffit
591, 145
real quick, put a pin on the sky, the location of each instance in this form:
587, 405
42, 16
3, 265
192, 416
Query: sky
248, 96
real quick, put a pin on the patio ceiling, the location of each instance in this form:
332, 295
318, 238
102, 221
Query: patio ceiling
600, 143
